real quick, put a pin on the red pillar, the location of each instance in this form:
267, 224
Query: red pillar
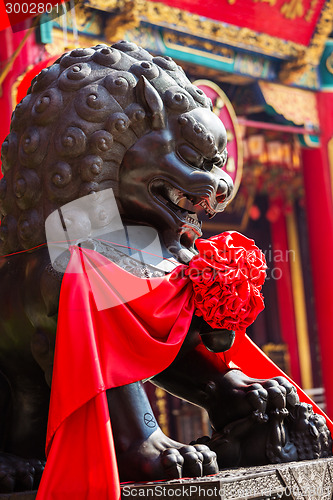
31, 53
319, 209
285, 295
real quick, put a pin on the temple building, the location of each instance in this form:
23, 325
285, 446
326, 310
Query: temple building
267, 65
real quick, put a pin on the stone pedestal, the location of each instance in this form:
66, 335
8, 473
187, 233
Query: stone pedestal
28, 495
310, 480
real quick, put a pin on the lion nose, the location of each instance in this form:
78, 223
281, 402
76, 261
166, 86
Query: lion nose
224, 190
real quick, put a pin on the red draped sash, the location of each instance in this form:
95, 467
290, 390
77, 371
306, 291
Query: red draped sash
114, 329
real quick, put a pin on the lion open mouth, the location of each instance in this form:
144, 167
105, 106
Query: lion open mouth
183, 204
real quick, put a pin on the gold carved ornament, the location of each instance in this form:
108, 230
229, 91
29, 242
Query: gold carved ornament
187, 43
162, 15
310, 13
159, 14
125, 16
84, 17
161, 404
310, 56
278, 353
296, 105
58, 46
302, 56
290, 9
125, 19
329, 63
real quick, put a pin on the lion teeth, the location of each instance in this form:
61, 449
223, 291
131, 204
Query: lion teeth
191, 220
207, 209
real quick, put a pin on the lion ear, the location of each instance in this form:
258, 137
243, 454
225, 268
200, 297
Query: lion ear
151, 99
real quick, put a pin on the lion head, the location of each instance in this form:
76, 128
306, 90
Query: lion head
113, 117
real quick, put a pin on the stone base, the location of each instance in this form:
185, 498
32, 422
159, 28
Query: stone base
28, 495
308, 480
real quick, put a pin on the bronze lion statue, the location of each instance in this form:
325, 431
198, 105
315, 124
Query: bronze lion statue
119, 118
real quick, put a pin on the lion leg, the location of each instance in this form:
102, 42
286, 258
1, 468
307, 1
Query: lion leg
26, 431
143, 451
200, 376
23, 420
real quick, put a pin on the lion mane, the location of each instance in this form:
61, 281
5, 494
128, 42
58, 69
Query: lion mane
70, 133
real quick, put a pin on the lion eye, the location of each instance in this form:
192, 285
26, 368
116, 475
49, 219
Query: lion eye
190, 156
208, 165
219, 160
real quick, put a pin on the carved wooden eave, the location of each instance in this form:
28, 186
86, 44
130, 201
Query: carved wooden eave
124, 15
162, 15
311, 55
297, 58
159, 14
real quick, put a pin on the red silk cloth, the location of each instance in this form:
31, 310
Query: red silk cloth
105, 341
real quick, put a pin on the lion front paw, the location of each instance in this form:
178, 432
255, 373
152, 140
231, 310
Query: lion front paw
19, 474
159, 457
235, 396
189, 461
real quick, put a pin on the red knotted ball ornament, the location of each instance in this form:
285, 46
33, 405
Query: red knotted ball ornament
227, 276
